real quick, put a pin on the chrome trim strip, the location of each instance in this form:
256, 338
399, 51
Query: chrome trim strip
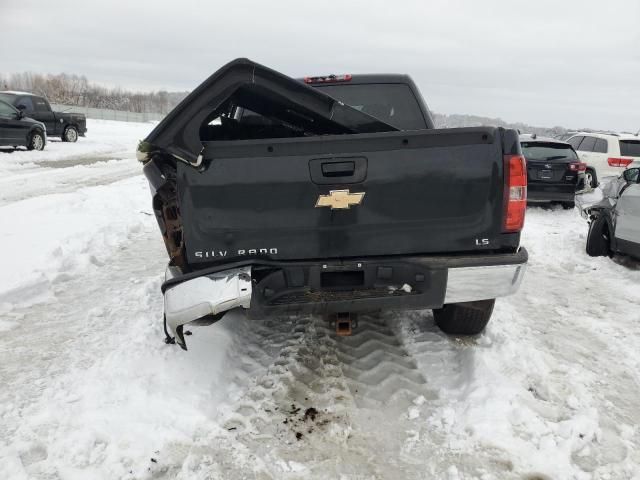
468, 284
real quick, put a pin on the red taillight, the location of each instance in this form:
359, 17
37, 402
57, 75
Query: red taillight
328, 79
515, 192
619, 162
578, 167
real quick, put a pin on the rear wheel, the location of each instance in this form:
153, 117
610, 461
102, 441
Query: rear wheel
598, 238
70, 134
36, 141
568, 205
590, 178
469, 318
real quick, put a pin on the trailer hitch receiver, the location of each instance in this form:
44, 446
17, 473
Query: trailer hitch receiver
345, 322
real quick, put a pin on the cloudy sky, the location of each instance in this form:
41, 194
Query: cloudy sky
571, 63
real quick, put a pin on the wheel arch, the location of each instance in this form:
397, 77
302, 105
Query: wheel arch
594, 173
35, 129
606, 213
67, 126
611, 225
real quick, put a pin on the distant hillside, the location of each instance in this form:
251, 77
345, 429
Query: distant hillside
77, 90
456, 120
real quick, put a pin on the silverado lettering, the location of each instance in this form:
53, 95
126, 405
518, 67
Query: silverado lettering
223, 253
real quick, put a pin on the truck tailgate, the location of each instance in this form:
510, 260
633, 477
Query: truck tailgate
428, 191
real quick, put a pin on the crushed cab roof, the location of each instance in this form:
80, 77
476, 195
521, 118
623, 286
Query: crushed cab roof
250, 85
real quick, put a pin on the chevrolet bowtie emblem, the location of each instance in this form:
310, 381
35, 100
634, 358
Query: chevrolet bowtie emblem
340, 199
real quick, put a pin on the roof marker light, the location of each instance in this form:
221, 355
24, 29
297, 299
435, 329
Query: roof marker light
329, 79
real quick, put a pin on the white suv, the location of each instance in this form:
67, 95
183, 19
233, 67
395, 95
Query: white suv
605, 154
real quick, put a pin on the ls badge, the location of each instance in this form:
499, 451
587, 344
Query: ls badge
340, 199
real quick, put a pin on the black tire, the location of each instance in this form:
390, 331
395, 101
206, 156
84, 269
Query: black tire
598, 238
70, 134
590, 174
36, 141
469, 318
568, 205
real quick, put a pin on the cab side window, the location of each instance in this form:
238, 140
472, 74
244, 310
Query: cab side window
6, 110
601, 146
40, 104
575, 141
587, 144
27, 103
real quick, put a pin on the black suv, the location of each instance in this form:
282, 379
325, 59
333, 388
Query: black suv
18, 130
554, 170
67, 126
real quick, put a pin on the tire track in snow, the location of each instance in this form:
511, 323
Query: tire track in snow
85, 172
325, 406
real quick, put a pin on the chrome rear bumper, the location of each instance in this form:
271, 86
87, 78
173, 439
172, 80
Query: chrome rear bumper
204, 296
451, 281
468, 284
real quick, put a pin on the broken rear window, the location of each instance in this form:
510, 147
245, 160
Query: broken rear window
393, 103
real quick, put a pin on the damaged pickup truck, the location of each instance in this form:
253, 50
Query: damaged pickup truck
331, 195
614, 221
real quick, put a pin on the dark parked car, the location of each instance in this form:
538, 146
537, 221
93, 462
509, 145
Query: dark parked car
333, 195
554, 170
18, 130
67, 126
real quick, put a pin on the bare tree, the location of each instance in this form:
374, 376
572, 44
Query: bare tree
68, 89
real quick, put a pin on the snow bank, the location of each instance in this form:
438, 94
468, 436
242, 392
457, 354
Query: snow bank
47, 233
54, 235
106, 415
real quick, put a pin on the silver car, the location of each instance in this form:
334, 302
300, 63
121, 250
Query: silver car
614, 222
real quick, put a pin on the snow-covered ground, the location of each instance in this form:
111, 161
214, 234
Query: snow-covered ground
105, 155
90, 391
58, 207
